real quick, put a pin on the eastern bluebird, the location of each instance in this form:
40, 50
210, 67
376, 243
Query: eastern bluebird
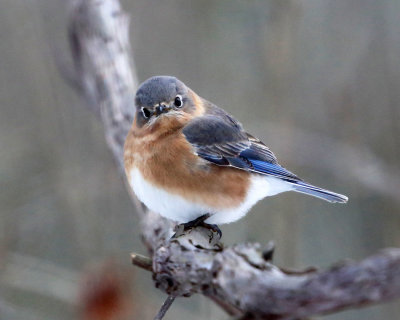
186, 158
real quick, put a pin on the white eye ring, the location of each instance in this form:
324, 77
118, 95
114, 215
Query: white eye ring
145, 112
178, 101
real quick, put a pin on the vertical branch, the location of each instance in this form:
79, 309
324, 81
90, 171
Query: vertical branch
106, 73
102, 55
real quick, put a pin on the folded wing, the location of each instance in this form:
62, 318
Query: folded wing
222, 141
225, 143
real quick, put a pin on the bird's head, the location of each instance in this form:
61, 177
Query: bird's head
163, 96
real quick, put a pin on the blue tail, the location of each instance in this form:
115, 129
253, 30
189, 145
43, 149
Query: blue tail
327, 195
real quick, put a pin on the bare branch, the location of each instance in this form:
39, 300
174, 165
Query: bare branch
164, 308
142, 261
99, 43
240, 278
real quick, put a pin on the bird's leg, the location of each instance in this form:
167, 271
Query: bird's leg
196, 222
199, 222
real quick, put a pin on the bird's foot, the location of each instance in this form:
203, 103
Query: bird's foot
198, 222
214, 228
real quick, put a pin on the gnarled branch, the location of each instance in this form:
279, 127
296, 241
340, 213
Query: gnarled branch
238, 278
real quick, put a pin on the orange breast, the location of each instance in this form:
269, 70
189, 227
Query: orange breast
167, 160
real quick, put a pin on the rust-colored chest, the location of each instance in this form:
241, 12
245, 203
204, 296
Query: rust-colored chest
167, 160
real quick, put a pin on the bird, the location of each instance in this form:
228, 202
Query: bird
192, 162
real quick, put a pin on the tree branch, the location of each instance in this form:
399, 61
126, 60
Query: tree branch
142, 261
237, 278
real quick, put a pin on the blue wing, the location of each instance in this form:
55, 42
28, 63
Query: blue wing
224, 142
221, 140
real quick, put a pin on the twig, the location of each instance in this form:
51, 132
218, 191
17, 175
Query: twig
142, 261
164, 308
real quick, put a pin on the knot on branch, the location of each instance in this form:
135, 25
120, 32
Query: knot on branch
187, 256
195, 262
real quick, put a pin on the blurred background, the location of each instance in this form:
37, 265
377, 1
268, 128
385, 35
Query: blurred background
317, 81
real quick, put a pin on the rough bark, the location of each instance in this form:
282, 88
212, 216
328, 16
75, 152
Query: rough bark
238, 278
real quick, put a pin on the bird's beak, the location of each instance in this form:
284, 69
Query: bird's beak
162, 108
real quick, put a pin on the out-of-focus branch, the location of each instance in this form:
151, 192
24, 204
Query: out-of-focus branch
39, 277
99, 42
237, 278
104, 70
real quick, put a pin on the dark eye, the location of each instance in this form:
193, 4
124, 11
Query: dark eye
146, 112
178, 101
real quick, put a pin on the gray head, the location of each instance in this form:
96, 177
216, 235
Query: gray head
159, 95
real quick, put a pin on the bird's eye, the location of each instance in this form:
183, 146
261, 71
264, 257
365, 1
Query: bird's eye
178, 101
146, 112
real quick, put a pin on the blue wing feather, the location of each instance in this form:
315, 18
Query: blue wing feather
273, 169
223, 142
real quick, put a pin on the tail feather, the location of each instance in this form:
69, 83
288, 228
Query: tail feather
318, 192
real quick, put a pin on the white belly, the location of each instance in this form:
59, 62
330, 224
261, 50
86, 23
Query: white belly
177, 208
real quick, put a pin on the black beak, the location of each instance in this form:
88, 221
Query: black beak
162, 108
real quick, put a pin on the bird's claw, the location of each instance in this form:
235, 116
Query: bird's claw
214, 228
198, 222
